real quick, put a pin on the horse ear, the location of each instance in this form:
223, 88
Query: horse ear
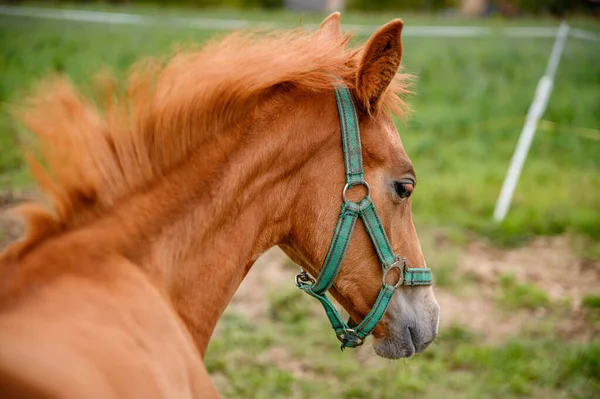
330, 27
379, 64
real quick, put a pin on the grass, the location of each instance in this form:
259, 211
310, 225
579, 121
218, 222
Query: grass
517, 295
288, 356
471, 99
463, 150
591, 302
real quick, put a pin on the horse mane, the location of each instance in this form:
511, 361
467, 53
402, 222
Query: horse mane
91, 154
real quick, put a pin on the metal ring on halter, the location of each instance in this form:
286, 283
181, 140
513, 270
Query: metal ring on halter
350, 331
400, 264
363, 183
303, 278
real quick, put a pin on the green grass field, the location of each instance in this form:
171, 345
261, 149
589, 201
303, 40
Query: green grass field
470, 104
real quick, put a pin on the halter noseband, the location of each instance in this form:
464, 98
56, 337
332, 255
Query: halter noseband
365, 208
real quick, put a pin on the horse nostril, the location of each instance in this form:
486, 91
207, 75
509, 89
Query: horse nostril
416, 340
413, 335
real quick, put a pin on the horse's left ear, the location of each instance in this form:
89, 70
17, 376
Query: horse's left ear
330, 27
379, 64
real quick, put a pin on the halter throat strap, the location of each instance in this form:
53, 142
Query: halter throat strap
349, 214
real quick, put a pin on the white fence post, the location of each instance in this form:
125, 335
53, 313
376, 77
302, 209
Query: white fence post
536, 110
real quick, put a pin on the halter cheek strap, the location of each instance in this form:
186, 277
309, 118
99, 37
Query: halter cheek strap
350, 212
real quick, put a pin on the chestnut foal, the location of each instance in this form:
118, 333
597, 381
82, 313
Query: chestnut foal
163, 200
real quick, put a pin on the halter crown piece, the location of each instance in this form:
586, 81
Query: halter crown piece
365, 208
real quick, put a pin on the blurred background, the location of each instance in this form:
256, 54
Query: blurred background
520, 298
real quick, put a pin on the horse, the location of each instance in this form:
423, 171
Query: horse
161, 197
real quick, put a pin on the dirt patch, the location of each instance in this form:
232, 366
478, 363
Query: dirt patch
267, 274
549, 263
480, 315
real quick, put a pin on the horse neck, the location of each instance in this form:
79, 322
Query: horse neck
208, 222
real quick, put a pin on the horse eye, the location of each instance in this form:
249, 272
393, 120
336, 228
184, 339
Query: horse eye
404, 188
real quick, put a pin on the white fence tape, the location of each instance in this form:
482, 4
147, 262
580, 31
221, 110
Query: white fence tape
228, 24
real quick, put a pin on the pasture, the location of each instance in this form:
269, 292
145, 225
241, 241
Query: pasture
520, 300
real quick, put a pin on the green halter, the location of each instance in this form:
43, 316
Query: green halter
354, 337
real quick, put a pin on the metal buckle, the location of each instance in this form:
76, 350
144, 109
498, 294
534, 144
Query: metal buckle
401, 264
363, 183
303, 278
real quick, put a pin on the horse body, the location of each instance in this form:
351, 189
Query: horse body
162, 205
115, 334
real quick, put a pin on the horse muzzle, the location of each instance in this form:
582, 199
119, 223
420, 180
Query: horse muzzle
409, 329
